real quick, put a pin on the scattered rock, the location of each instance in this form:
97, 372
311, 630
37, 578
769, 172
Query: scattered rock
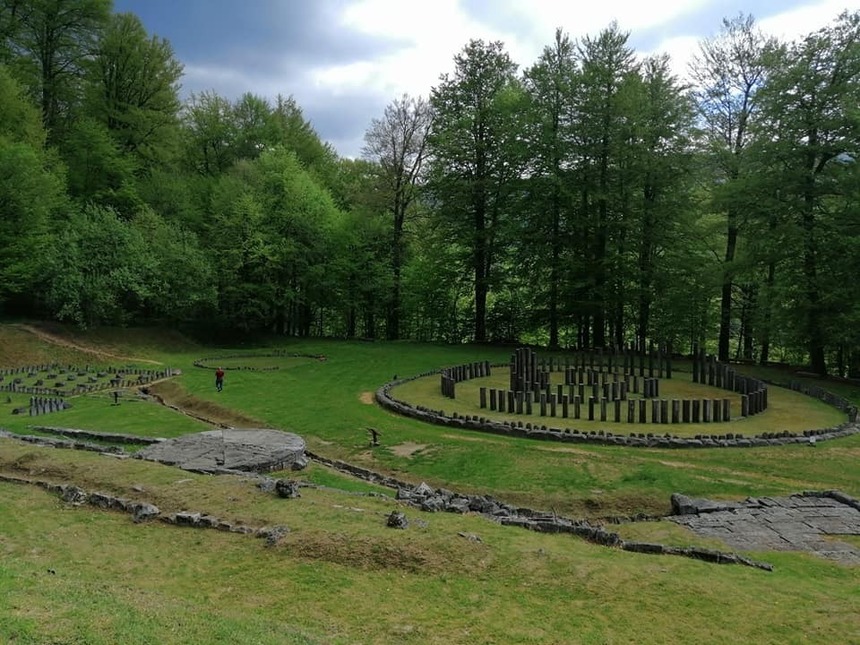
273, 534
287, 488
267, 484
184, 518
397, 520
422, 490
142, 511
101, 500
458, 505
471, 537
73, 495
433, 503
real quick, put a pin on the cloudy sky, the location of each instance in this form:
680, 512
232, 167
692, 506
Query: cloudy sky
345, 60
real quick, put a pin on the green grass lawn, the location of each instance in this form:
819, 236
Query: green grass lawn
133, 415
82, 576
341, 576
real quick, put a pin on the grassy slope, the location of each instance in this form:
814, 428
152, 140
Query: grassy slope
322, 401
341, 577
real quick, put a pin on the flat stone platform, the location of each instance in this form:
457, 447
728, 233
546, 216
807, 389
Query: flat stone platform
253, 450
803, 522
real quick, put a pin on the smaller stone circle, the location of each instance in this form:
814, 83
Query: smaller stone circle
252, 450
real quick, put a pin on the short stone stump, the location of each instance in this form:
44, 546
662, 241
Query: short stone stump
251, 450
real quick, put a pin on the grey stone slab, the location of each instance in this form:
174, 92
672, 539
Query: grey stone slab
834, 527
781, 524
256, 450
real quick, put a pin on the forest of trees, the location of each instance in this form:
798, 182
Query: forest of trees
589, 199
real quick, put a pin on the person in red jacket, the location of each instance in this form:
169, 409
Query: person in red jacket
219, 379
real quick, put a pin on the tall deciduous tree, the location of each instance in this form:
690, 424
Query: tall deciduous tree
659, 173
550, 84
813, 137
470, 143
51, 40
273, 242
609, 71
210, 133
98, 169
31, 191
133, 90
397, 143
729, 71
101, 266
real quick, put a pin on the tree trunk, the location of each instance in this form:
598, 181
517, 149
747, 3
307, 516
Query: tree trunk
393, 322
369, 323
481, 243
554, 272
726, 299
599, 268
750, 300
765, 342
646, 250
350, 322
810, 270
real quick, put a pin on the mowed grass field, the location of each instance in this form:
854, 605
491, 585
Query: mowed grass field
79, 575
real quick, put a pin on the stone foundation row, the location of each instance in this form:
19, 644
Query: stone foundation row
143, 511
421, 496
202, 362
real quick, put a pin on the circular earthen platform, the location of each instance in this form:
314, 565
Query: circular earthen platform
254, 450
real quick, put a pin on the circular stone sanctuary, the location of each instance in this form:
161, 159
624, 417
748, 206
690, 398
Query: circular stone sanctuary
620, 389
250, 450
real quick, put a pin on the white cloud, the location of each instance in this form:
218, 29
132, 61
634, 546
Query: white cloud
797, 23
584, 18
681, 50
433, 32
787, 26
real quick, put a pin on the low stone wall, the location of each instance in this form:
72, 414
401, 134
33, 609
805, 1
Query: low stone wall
143, 511
63, 443
828, 397
436, 500
201, 362
422, 496
112, 437
433, 500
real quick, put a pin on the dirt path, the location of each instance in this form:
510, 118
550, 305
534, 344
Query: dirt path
65, 342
